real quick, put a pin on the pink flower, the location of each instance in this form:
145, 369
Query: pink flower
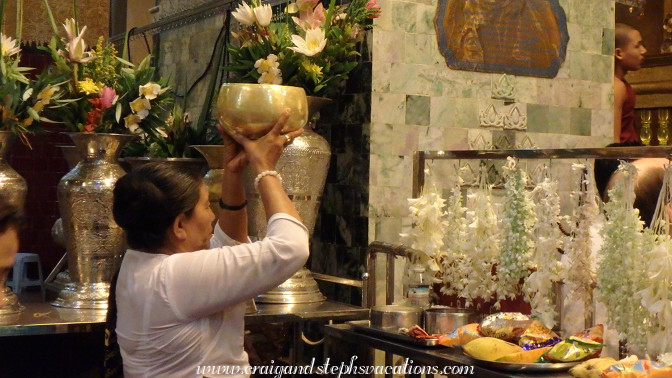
311, 19
371, 5
107, 96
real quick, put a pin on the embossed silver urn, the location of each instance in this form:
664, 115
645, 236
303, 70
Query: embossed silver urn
252, 109
14, 187
95, 243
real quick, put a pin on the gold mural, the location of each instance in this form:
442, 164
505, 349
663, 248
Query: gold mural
95, 14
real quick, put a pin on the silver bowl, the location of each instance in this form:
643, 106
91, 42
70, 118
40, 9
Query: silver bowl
253, 109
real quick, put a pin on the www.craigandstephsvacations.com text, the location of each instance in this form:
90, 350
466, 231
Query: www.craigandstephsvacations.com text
336, 370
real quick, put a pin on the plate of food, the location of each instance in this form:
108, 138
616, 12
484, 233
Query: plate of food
513, 342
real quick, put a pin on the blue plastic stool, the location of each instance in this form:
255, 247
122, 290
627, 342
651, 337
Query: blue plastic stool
20, 275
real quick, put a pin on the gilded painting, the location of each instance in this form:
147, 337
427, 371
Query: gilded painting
520, 37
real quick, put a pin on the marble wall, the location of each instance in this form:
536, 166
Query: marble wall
418, 103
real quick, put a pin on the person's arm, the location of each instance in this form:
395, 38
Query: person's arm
620, 95
262, 154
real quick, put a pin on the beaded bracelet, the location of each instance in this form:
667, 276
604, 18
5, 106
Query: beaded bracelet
264, 174
224, 206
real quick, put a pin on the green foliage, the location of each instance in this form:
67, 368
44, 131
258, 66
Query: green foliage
320, 74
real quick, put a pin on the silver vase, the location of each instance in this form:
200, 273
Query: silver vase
303, 167
14, 187
95, 243
72, 157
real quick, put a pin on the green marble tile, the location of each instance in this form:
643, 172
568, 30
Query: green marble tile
425, 18
388, 108
404, 16
547, 119
591, 39
602, 68
417, 110
580, 121
608, 41
575, 37
580, 66
442, 111
418, 48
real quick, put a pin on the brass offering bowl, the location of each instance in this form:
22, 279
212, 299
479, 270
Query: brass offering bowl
253, 109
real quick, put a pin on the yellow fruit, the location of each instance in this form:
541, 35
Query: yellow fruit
490, 349
524, 357
592, 368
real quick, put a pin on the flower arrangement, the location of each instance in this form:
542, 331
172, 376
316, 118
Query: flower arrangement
308, 47
102, 92
21, 100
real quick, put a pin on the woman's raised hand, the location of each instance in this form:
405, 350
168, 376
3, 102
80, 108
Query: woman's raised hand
262, 154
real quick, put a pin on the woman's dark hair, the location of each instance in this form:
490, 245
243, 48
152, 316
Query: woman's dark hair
10, 213
148, 199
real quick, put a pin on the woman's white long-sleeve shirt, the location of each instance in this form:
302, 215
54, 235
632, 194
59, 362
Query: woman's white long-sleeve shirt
179, 312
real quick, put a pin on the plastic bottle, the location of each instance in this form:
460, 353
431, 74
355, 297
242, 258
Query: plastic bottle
417, 294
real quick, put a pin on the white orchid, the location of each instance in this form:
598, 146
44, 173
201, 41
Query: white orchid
272, 76
264, 65
75, 45
313, 43
141, 106
263, 13
244, 14
10, 46
150, 90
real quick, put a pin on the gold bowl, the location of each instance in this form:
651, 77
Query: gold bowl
253, 109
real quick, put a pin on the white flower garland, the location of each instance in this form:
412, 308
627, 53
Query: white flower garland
454, 259
619, 274
427, 234
578, 274
482, 243
518, 219
538, 286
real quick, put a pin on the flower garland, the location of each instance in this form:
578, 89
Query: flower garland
538, 287
578, 273
454, 259
427, 234
620, 273
518, 219
482, 242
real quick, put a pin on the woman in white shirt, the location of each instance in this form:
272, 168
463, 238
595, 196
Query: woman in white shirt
181, 291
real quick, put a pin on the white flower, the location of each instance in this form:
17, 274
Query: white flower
244, 14
263, 13
27, 94
141, 106
131, 123
264, 65
10, 46
150, 90
272, 76
75, 45
313, 44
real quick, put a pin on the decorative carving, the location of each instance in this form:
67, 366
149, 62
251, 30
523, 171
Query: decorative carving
504, 88
490, 117
515, 119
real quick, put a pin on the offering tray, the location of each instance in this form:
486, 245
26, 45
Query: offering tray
364, 326
535, 367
